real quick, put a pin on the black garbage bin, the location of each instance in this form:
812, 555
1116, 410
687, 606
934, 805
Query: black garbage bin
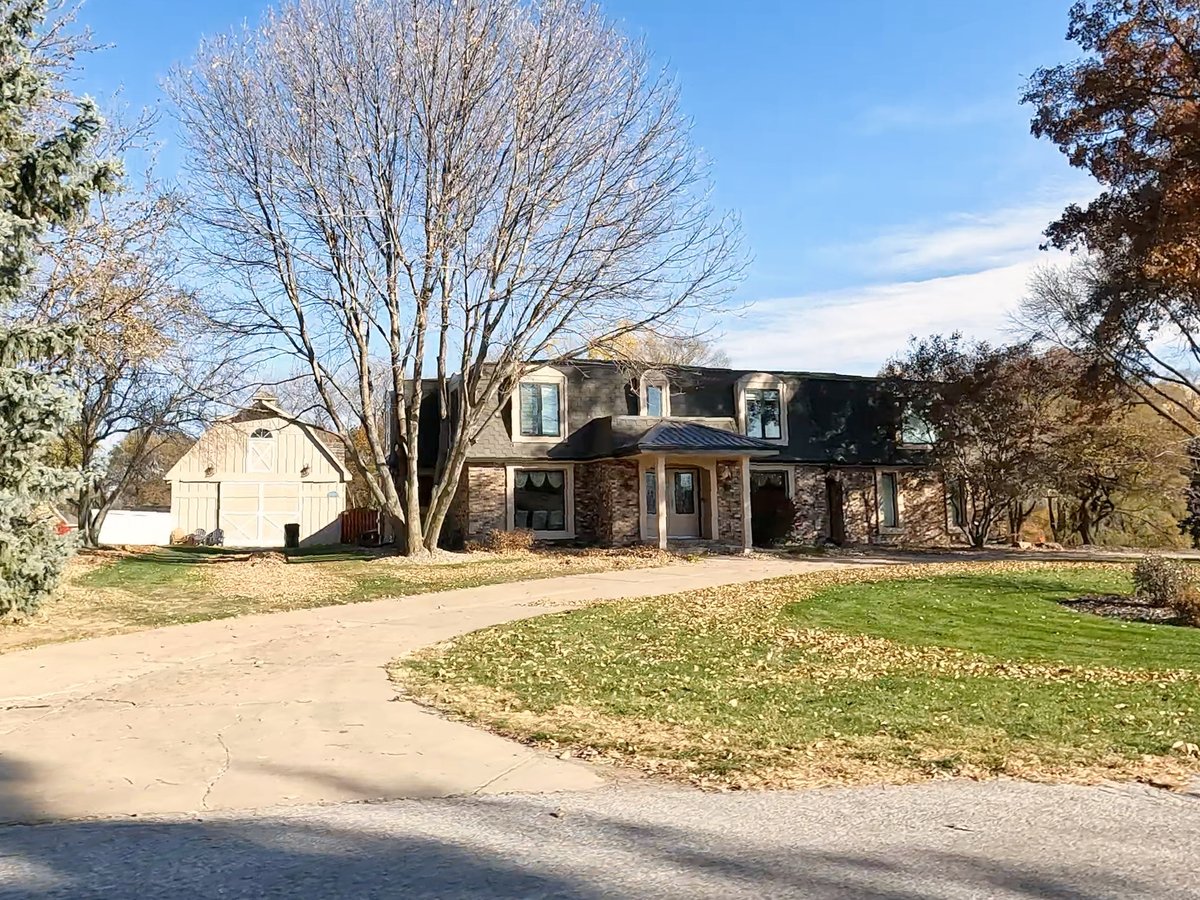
291, 535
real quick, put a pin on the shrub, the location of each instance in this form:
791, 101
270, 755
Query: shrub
772, 517
1161, 582
1187, 605
498, 541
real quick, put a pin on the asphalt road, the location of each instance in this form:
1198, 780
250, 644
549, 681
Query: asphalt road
943, 840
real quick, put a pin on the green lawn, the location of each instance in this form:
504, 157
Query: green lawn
813, 680
1004, 618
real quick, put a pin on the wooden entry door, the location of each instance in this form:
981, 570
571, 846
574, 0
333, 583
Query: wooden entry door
835, 504
683, 503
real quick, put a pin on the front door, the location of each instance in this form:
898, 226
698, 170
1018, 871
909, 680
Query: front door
683, 503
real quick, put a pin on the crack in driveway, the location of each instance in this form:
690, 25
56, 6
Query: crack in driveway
212, 783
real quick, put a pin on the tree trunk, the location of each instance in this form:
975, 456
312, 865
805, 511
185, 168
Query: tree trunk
89, 520
1085, 524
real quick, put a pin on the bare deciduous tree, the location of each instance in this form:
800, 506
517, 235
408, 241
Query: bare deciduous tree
425, 187
144, 367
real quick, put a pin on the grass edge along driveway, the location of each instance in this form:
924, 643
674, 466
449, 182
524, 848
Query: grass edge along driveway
113, 593
851, 676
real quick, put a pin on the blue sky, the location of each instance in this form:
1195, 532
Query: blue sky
875, 150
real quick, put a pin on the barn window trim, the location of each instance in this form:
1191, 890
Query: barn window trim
260, 452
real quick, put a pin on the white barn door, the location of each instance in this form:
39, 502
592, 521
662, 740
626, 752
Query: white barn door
253, 513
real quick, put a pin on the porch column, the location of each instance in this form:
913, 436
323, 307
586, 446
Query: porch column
660, 479
714, 526
747, 536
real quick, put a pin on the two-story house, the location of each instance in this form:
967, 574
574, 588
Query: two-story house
595, 452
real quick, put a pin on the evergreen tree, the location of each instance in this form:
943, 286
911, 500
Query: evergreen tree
45, 179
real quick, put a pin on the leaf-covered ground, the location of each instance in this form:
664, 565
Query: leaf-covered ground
110, 593
854, 675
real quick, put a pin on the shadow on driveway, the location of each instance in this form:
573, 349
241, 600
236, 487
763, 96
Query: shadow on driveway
636, 842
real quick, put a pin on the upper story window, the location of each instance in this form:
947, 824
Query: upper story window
915, 428
540, 406
763, 413
762, 407
655, 395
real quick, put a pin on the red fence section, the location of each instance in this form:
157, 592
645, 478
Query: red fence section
358, 522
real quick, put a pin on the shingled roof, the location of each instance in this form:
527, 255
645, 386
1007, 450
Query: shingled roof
608, 436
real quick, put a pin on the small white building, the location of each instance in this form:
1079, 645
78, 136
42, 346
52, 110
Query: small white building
256, 471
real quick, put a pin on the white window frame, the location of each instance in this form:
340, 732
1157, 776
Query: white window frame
654, 378
789, 480
763, 381
544, 375
899, 526
510, 511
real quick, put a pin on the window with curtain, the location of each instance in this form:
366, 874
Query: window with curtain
763, 413
540, 404
774, 480
540, 499
889, 507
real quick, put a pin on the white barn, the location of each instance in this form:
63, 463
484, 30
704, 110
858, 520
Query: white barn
256, 471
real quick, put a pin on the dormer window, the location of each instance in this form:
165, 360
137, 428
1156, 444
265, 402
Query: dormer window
655, 395
763, 413
762, 407
915, 430
540, 407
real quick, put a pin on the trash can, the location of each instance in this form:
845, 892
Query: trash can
291, 535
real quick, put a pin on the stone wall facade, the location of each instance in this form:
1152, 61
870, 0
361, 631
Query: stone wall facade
808, 496
923, 509
606, 502
922, 503
487, 500
730, 522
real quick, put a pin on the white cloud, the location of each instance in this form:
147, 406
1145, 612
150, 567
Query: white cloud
855, 330
965, 242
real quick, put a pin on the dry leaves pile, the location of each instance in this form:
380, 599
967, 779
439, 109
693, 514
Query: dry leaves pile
634, 691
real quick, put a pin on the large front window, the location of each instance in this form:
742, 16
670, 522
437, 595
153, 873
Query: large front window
763, 413
540, 499
540, 409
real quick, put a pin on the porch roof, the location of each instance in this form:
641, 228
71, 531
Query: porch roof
610, 436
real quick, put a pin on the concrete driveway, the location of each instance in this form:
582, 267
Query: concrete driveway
281, 709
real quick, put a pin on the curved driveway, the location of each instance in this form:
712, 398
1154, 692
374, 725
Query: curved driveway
282, 709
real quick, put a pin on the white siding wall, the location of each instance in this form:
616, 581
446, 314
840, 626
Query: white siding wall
319, 512
194, 505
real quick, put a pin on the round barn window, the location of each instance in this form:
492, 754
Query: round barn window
261, 433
